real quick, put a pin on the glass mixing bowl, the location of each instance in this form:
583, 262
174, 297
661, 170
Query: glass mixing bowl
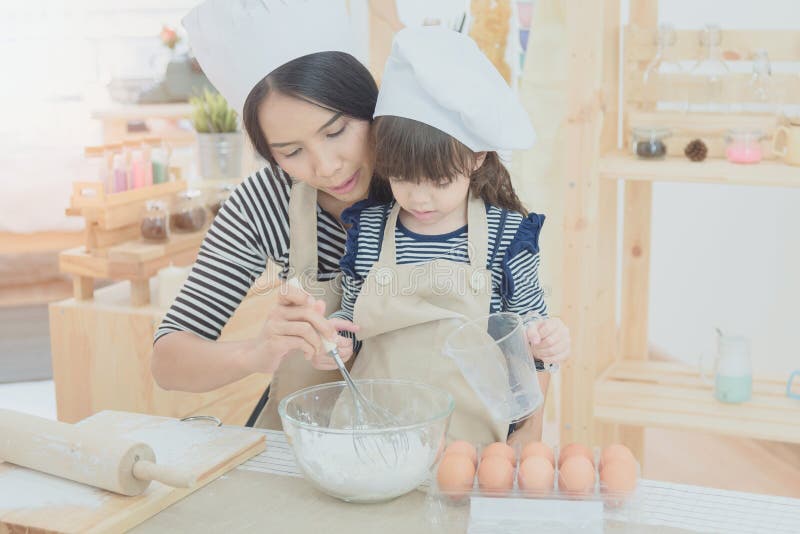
371, 465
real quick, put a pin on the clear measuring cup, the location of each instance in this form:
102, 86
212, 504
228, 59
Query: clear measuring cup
494, 356
733, 371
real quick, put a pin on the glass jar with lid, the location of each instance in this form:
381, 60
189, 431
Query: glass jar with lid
648, 142
189, 213
218, 196
743, 145
155, 221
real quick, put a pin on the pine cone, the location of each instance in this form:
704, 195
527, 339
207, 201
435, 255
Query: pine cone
696, 150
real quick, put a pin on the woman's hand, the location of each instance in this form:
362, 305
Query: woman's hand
296, 323
549, 339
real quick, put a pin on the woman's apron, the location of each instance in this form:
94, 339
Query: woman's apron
295, 372
405, 312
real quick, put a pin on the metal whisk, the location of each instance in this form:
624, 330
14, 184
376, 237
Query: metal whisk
368, 415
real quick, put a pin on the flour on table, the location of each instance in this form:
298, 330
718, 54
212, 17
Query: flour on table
23, 488
179, 443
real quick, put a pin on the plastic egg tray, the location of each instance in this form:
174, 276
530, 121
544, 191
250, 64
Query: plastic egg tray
598, 491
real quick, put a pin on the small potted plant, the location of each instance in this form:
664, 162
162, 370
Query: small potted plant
218, 136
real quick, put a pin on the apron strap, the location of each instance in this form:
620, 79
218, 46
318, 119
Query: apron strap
388, 254
477, 234
303, 231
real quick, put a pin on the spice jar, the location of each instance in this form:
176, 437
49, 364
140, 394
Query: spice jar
98, 166
120, 173
189, 214
648, 143
218, 197
743, 145
155, 221
159, 160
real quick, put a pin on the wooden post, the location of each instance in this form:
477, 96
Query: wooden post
140, 292
537, 172
82, 287
607, 328
636, 254
585, 45
383, 24
566, 86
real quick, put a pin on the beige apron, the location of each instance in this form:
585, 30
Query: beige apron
406, 311
295, 372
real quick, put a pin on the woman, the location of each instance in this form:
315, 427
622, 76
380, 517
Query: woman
310, 118
307, 108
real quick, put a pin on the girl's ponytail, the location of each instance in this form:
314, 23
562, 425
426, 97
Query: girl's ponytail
492, 182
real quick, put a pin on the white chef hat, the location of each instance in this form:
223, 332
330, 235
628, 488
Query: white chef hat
441, 77
239, 42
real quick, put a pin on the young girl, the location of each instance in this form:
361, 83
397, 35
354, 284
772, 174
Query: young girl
456, 243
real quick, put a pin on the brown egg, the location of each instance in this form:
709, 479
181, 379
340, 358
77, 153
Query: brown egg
495, 474
537, 448
619, 476
574, 449
615, 451
500, 449
456, 474
463, 447
576, 474
536, 474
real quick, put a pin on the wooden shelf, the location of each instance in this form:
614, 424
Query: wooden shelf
138, 111
714, 171
647, 393
92, 195
134, 260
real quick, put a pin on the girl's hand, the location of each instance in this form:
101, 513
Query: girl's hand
323, 361
549, 339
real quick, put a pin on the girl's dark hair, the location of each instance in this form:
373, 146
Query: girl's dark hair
332, 80
409, 150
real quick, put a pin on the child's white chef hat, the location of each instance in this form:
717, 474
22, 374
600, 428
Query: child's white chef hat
239, 42
441, 77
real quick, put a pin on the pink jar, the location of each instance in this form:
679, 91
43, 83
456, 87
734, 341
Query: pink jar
743, 145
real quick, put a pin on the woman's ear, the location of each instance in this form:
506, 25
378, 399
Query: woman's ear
479, 160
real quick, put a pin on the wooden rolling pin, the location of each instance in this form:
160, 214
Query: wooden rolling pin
86, 456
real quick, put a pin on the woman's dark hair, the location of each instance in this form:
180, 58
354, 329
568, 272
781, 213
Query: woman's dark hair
409, 150
333, 80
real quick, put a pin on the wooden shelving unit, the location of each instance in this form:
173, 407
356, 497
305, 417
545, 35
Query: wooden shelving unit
629, 391
102, 341
649, 393
136, 261
114, 248
624, 166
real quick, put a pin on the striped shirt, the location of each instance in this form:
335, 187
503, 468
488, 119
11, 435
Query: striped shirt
513, 255
251, 228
